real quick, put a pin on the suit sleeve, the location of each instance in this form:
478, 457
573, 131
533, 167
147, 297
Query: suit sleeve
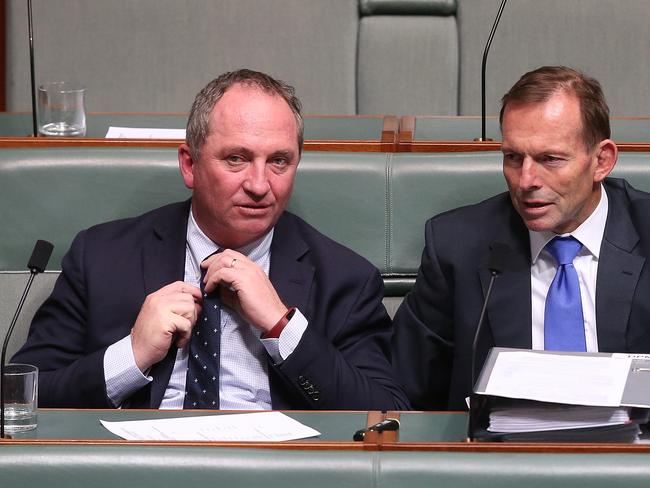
422, 344
344, 364
71, 372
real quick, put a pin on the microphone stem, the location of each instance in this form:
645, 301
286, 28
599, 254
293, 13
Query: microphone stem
484, 66
32, 275
31, 65
480, 325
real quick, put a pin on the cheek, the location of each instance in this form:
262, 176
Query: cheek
281, 186
512, 178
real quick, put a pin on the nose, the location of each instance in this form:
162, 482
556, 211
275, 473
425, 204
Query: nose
528, 178
256, 183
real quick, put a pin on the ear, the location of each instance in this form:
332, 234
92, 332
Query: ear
606, 155
186, 165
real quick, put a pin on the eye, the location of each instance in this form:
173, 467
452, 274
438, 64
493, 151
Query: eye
279, 161
550, 159
511, 159
235, 159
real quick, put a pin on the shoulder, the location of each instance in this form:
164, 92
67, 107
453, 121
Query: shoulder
124, 235
319, 247
162, 217
494, 212
620, 189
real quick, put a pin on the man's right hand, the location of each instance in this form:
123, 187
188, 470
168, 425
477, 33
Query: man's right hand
166, 317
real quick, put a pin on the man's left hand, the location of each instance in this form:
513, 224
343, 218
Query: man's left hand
245, 288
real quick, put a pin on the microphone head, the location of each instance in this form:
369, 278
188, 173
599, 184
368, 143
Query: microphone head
40, 256
499, 253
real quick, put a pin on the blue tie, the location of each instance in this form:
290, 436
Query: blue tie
564, 328
202, 382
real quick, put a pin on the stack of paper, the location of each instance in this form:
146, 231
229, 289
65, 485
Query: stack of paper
554, 417
532, 396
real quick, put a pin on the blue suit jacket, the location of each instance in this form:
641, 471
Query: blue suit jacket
436, 323
110, 268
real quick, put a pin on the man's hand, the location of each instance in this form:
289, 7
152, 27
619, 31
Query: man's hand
166, 317
245, 288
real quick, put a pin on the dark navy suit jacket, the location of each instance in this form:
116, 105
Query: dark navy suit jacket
436, 323
343, 355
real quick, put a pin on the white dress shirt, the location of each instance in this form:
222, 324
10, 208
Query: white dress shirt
543, 268
243, 378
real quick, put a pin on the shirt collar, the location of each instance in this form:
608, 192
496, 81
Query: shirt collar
201, 246
589, 233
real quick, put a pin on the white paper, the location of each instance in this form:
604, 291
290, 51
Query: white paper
258, 426
144, 133
555, 417
559, 378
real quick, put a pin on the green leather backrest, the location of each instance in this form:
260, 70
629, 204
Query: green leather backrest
54, 193
374, 203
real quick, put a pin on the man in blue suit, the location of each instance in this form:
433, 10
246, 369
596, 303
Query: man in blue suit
299, 322
557, 155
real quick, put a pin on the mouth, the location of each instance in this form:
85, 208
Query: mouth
534, 207
254, 208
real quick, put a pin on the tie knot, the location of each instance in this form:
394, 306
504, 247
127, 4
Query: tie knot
564, 249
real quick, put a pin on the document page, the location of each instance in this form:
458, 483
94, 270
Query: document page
257, 426
559, 378
144, 133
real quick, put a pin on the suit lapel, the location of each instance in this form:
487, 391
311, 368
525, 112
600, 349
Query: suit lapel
509, 308
618, 273
163, 262
291, 277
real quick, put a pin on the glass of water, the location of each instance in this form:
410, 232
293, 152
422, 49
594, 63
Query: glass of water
61, 109
21, 397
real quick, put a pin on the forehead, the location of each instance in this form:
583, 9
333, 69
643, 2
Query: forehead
559, 117
249, 110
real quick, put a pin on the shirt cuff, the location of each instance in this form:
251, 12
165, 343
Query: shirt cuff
281, 348
121, 374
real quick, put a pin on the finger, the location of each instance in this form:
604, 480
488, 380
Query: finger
185, 306
225, 277
183, 328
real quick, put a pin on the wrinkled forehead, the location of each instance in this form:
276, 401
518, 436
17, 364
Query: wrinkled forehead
251, 107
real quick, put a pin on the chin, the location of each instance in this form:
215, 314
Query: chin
538, 226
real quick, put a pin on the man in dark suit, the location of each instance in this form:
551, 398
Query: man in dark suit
557, 154
225, 301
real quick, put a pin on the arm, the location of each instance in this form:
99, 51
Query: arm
423, 337
344, 354
342, 358
70, 375
95, 303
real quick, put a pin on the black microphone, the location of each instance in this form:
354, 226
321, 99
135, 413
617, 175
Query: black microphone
36, 264
385, 425
30, 23
484, 66
497, 260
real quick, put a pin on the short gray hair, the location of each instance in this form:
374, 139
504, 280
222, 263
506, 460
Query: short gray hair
198, 121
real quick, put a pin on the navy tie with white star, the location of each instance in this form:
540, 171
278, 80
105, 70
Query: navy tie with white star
202, 382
